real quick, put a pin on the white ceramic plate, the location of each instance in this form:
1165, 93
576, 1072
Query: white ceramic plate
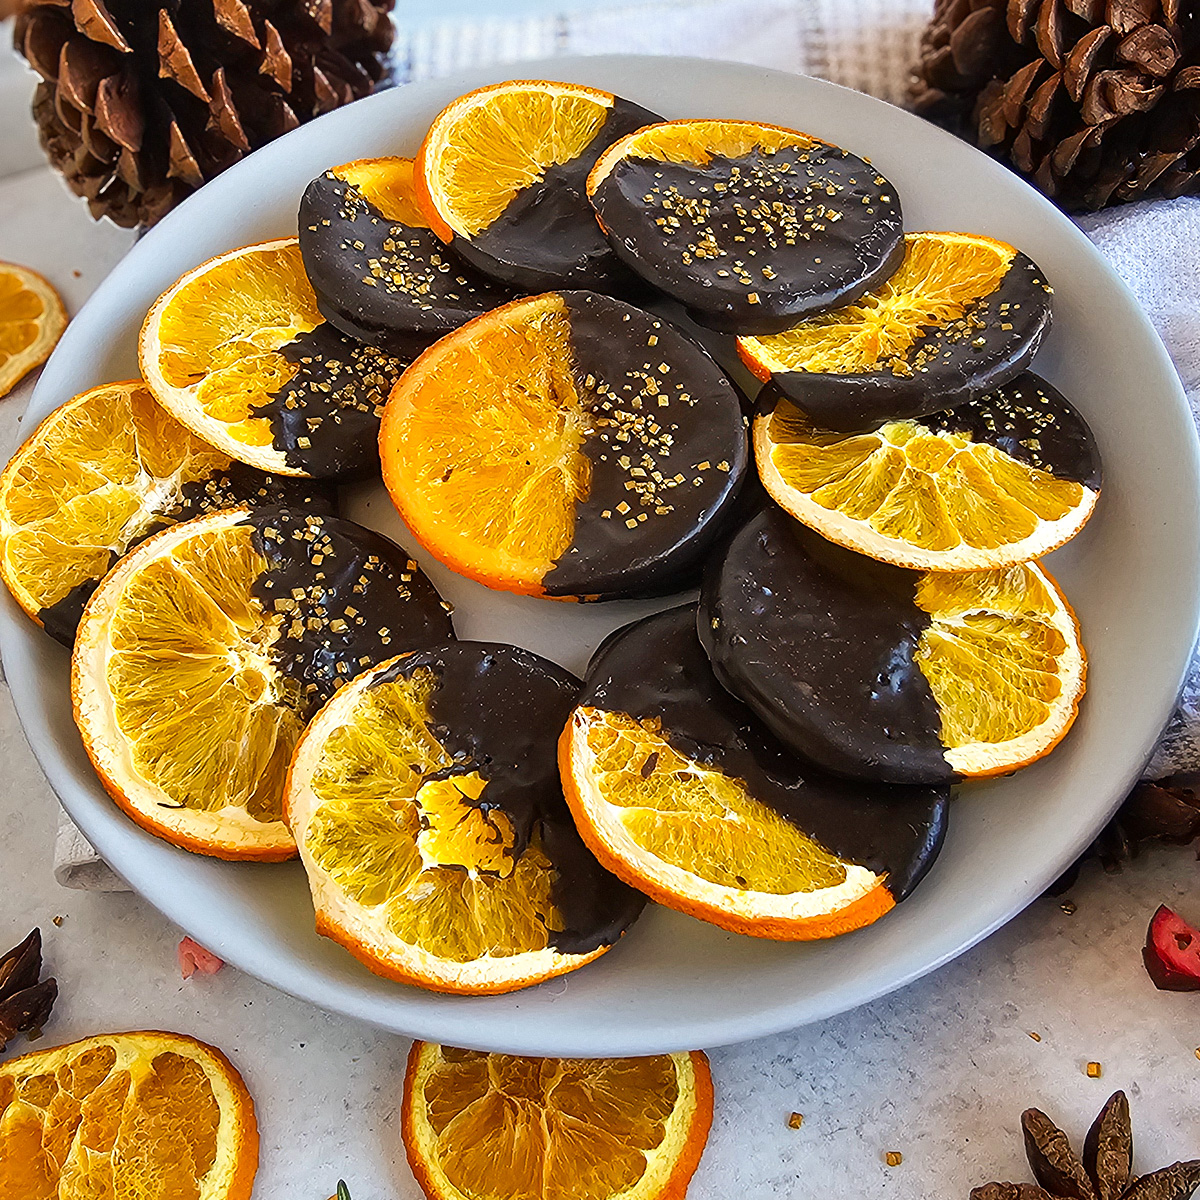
675, 983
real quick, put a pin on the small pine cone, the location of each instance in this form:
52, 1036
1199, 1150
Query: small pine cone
142, 102
1096, 101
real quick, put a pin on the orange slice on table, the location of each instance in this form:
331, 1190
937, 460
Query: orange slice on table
238, 351
426, 803
32, 318
1001, 479
99, 474
482, 1126
126, 1115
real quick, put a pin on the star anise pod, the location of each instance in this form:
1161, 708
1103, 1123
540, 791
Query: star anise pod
25, 1003
1104, 1172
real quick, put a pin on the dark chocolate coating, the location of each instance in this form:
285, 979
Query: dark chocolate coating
236, 484
385, 283
656, 668
635, 435
547, 237
1031, 421
499, 710
326, 417
819, 643
350, 598
770, 212
949, 366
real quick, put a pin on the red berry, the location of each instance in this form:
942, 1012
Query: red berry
1172, 952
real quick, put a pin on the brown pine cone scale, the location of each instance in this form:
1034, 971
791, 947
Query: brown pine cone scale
141, 103
1097, 101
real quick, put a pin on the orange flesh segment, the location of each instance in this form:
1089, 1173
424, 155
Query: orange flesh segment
387, 184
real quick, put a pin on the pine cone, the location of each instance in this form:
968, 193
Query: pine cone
1097, 101
140, 103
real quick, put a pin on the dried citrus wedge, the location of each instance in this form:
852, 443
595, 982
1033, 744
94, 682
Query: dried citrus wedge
32, 318
565, 445
751, 226
962, 314
482, 1126
204, 652
379, 272
148, 1114
99, 474
238, 351
680, 791
426, 803
501, 176
997, 480
882, 673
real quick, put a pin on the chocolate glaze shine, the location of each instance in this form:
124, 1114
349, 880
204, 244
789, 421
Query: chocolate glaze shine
753, 244
349, 598
236, 484
819, 643
498, 710
325, 419
547, 237
668, 452
657, 668
386, 283
945, 366
1030, 421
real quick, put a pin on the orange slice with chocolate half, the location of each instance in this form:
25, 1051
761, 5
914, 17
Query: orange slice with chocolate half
997, 480
426, 803
238, 351
565, 445
880, 673
206, 650
963, 314
752, 226
681, 791
501, 176
100, 474
379, 272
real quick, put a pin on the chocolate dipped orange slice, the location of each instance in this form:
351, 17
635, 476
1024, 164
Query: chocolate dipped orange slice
565, 445
426, 803
501, 176
751, 226
379, 272
963, 314
681, 791
998, 480
238, 351
876, 672
205, 651
101, 473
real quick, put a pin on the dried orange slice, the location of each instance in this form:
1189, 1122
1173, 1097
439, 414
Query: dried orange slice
238, 351
501, 176
379, 272
751, 226
998, 480
565, 445
204, 652
482, 1126
678, 790
32, 318
962, 314
99, 474
426, 803
881, 673
126, 1114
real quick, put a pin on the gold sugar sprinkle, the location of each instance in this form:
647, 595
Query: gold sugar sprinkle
893, 1158
795, 1120
1094, 1070
1037, 1037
